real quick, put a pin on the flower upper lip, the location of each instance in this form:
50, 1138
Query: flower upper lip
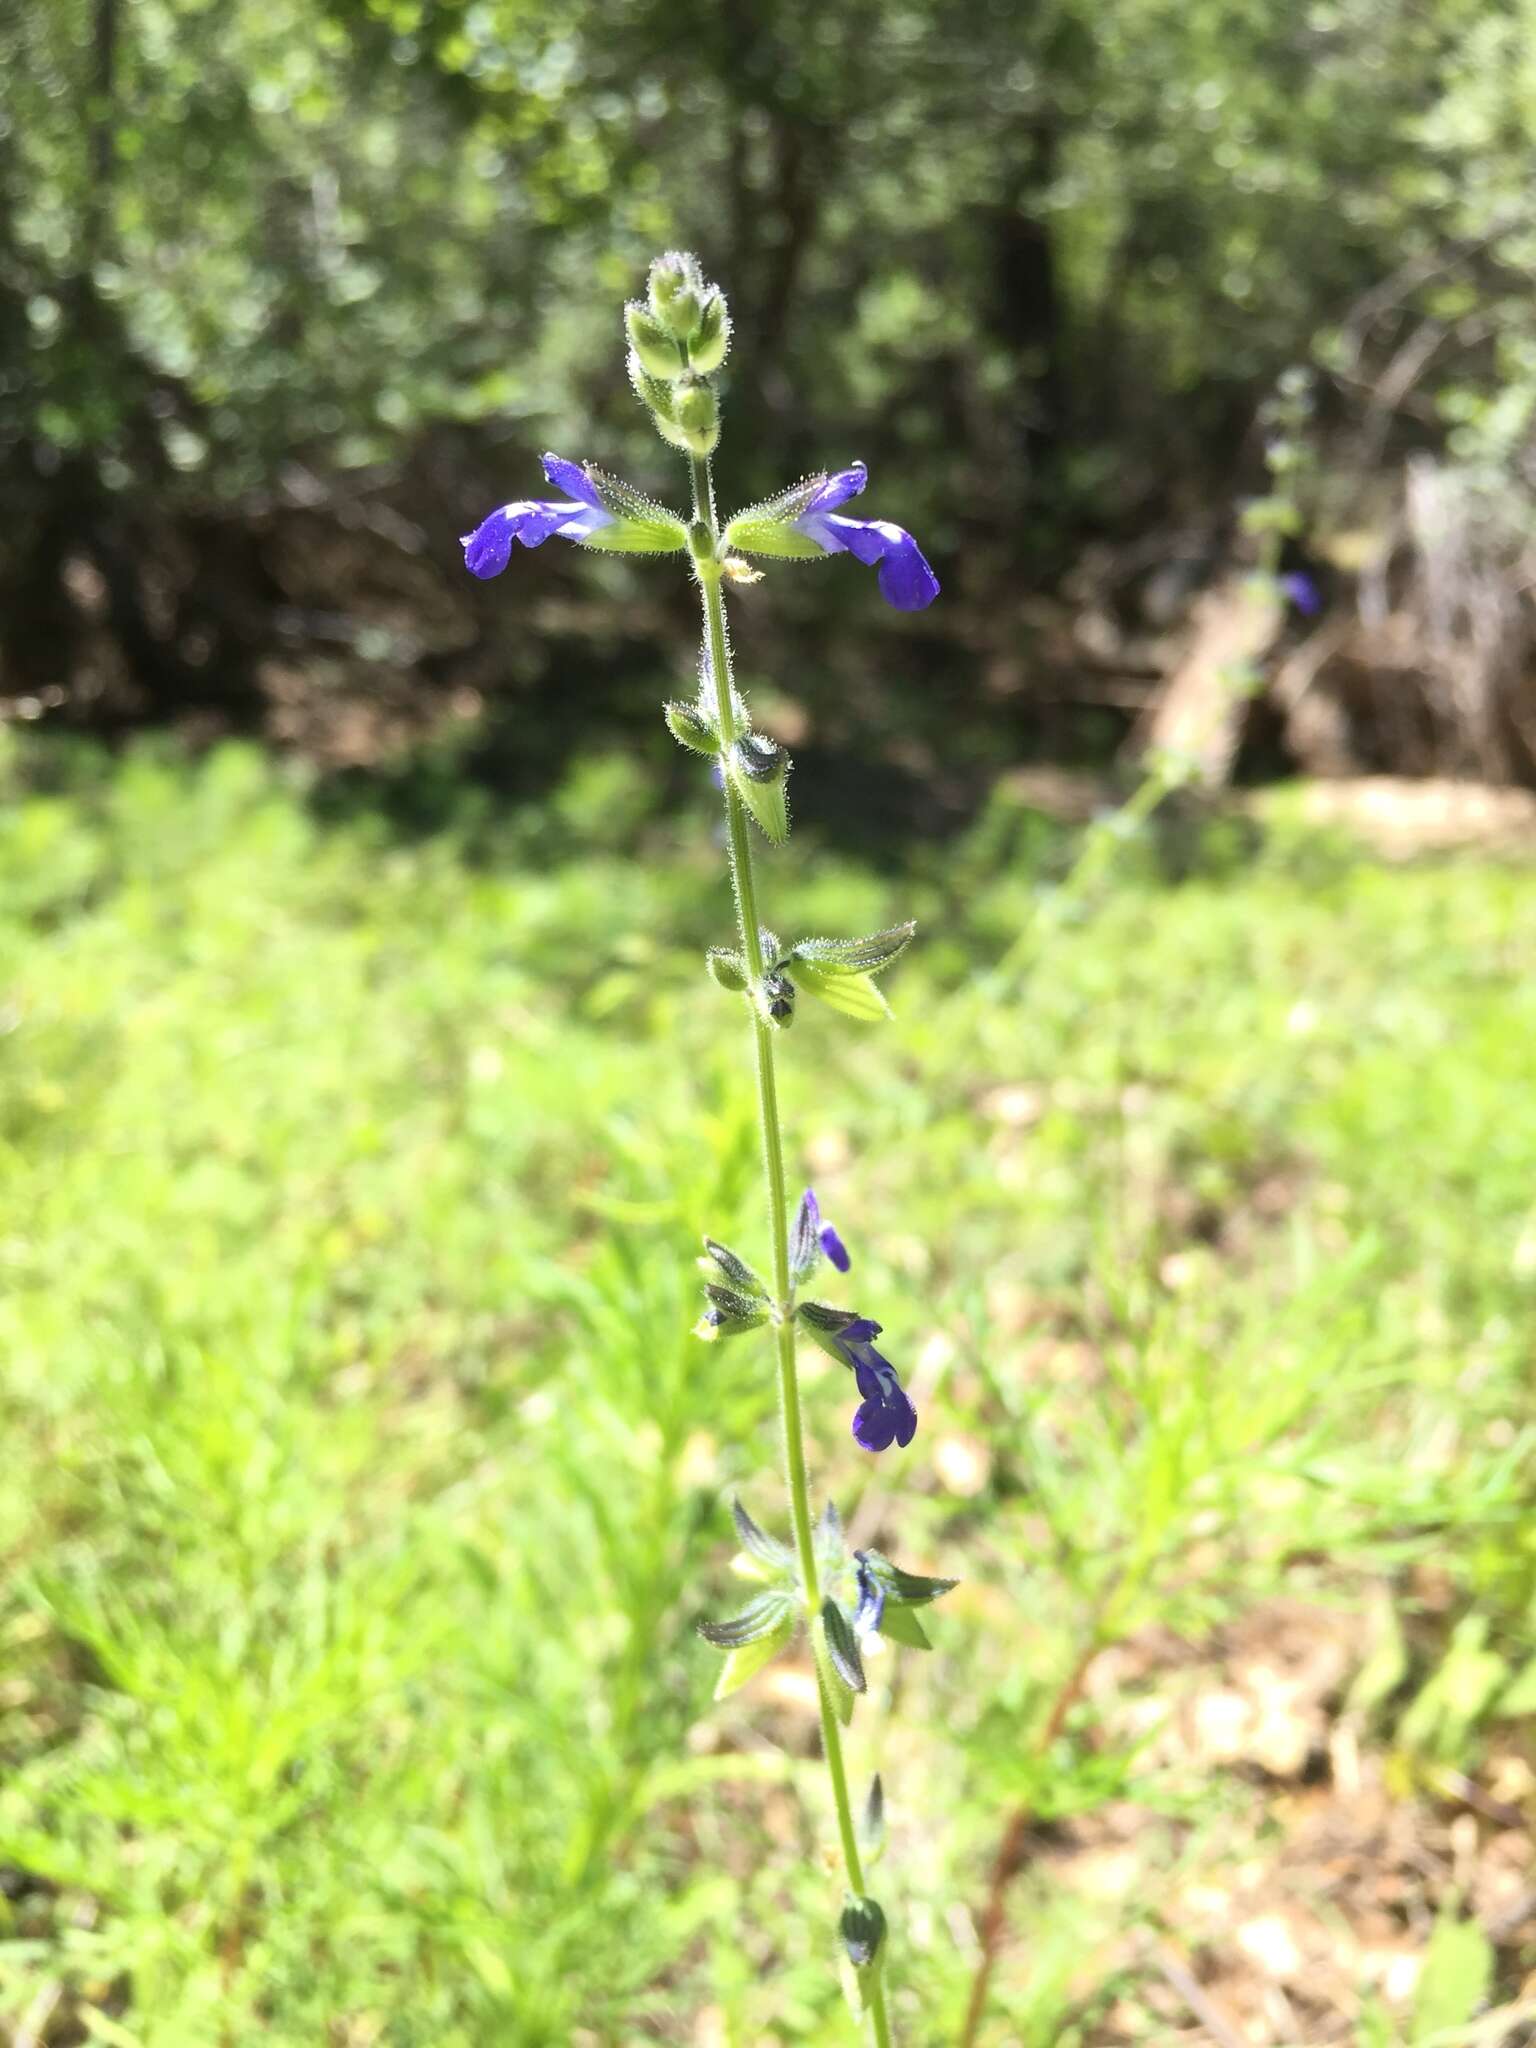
531, 521
907, 580
825, 1233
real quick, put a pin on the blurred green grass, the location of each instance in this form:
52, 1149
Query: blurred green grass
364, 1483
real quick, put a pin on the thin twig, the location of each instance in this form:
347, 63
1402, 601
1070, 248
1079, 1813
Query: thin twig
1011, 1849
33, 2027
1188, 1986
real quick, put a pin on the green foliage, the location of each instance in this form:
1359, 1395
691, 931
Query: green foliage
1458, 1970
362, 1474
238, 232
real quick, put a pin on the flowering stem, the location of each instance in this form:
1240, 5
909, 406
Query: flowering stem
708, 570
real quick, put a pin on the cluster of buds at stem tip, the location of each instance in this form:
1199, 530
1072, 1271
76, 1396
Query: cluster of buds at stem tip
678, 337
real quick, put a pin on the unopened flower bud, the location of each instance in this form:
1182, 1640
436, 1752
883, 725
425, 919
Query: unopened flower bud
658, 352
676, 292
654, 392
726, 968
657, 396
709, 341
697, 412
862, 1927
688, 724
758, 768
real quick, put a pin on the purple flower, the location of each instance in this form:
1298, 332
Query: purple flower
885, 1414
532, 520
810, 1224
906, 581
870, 1612
1302, 592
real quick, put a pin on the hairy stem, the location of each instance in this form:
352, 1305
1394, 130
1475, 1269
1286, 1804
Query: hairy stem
797, 1482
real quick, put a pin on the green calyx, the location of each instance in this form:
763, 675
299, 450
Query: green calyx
729, 1314
697, 413
710, 342
768, 527
759, 768
840, 972
691, 727
727, 969
658, 349
638, 525
752, 1638
862, 1927
733, 1269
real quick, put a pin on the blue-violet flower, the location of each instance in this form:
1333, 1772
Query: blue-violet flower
1302, 592
870, 1612
825, 1232
577, 517
906, 580
885, 1414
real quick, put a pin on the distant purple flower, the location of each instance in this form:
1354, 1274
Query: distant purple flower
906, 581
870, 1612
1302, 592
831, 1243
885, 1414
488, 549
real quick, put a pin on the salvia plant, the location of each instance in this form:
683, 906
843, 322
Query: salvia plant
678, 336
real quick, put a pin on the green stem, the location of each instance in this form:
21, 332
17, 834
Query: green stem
796, 1479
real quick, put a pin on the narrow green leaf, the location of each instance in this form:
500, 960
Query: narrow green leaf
748, 1659
760, 1618
1458, 1970
855, 995
842, 1648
